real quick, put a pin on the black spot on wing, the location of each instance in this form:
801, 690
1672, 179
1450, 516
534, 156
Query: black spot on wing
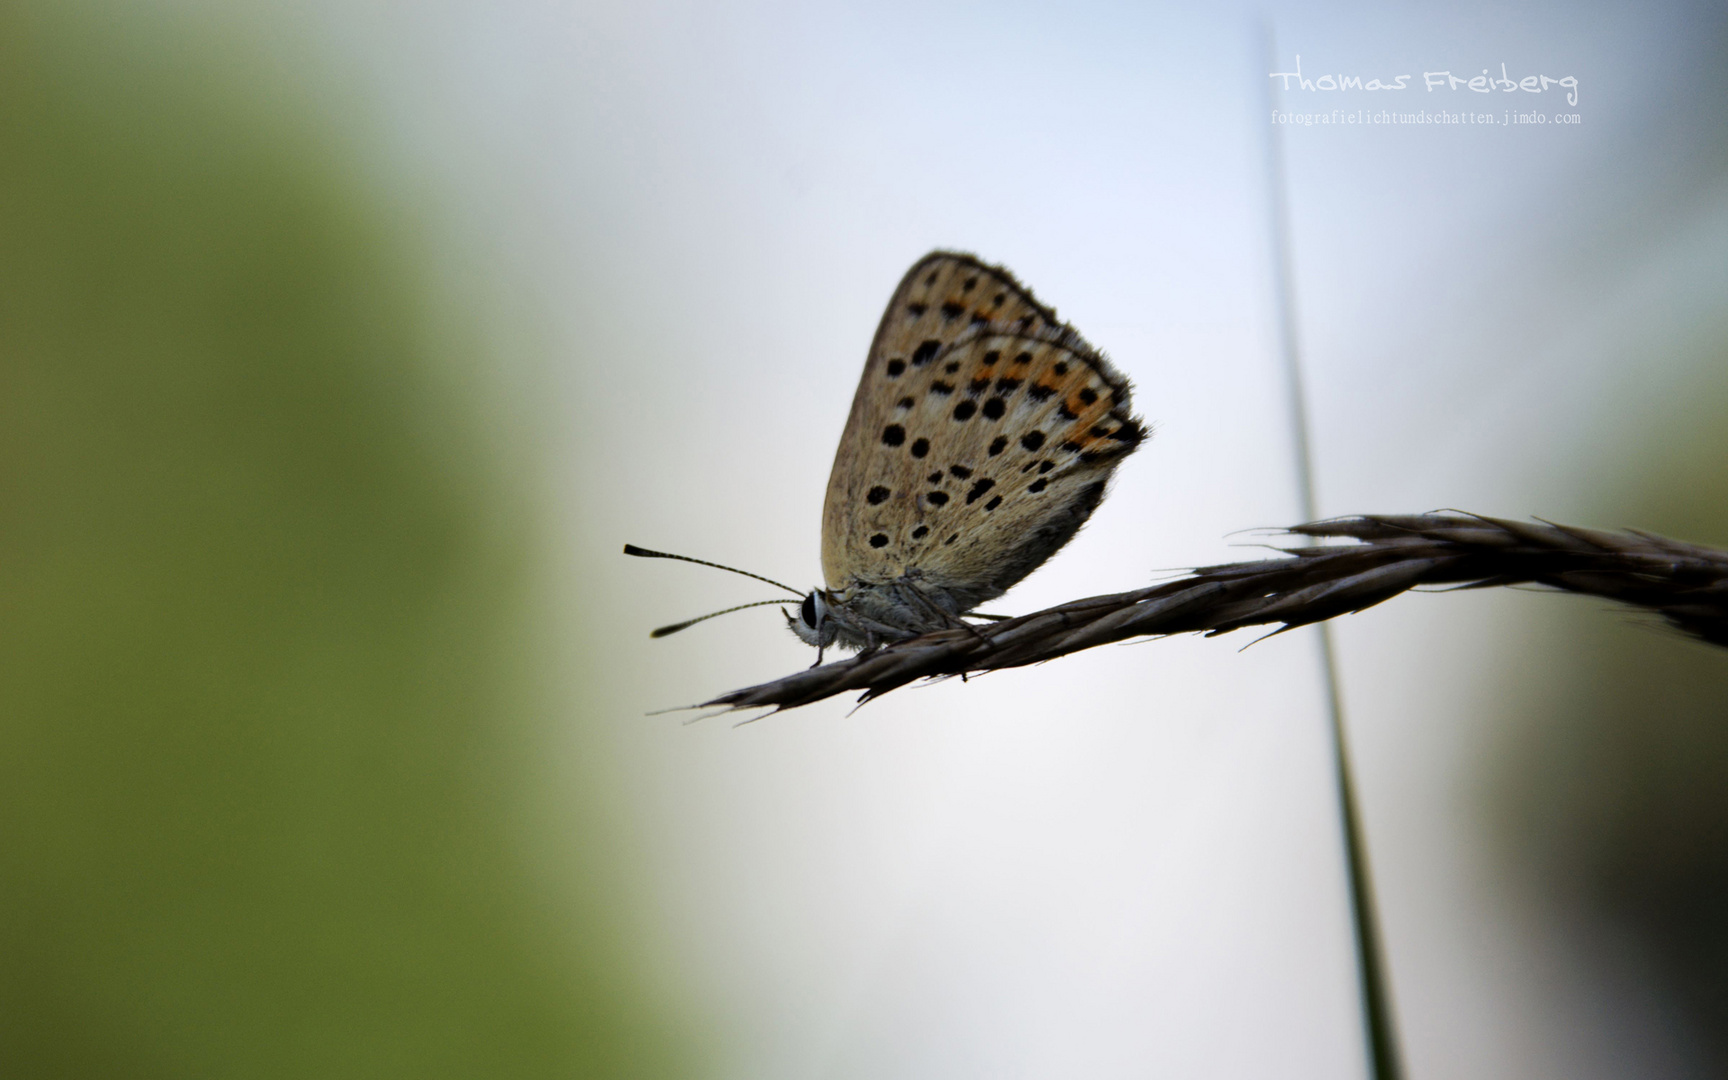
993, 504
879, 540
916, 310
893, 435
960, 472
994, 408
979, 489
936, 498
920, 447
896, 368
877, 496
920, 532
925, 352
1038, 485
964, 410
1032, 440
998, 444
941, 388
951, 310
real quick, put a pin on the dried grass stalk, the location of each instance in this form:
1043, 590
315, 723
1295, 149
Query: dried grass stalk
1685, 583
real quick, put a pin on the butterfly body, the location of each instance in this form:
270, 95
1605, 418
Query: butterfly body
982, 436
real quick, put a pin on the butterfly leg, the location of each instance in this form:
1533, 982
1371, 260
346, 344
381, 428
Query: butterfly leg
947, 618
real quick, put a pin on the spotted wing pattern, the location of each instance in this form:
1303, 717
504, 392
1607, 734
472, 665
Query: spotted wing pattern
981, 437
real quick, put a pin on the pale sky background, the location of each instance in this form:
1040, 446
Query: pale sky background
1125, 863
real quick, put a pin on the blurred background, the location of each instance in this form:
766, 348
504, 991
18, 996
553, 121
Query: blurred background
342, 346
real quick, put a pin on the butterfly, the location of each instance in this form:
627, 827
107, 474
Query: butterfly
983, 434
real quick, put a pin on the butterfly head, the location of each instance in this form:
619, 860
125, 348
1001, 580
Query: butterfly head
814, 624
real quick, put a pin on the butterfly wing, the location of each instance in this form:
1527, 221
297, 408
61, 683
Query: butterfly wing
981, 437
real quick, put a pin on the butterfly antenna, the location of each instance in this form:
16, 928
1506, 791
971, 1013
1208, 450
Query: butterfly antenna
644, 553
675, 627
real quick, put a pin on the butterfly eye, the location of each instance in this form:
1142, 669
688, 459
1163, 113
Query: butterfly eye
808, 610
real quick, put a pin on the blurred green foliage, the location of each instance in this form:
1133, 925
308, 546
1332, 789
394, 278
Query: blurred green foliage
1613, 789
261, 596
